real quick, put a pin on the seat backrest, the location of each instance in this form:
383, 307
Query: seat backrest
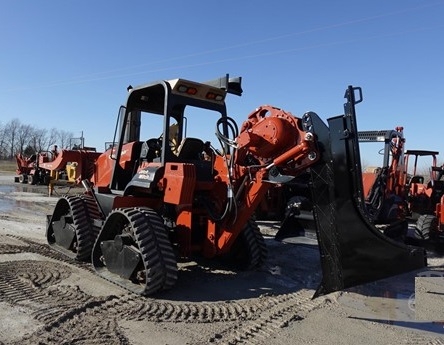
190, 148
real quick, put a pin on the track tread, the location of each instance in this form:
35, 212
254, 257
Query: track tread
425, 225
82, 209
153, 244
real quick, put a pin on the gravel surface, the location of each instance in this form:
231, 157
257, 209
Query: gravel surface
46, 298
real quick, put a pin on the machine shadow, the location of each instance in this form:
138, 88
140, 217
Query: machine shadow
432, 326
288, 269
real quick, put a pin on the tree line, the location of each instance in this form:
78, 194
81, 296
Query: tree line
17, 137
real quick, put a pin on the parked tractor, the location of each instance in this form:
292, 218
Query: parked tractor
383, 188
24, 167
72, 165
425, 196
154, 200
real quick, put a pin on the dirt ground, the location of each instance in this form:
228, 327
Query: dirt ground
46, 298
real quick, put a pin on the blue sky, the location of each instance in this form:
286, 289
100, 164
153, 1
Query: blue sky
66, 64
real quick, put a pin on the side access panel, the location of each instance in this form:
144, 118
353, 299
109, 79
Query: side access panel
353, 251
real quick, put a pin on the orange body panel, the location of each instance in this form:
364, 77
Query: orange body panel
183, 227
180, 180
103, 174
209, 246
368, 180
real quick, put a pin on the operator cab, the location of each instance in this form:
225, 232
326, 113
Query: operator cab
154, 128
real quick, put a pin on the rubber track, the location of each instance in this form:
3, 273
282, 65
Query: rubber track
155, 249
155, 244
85, 239
93, 212
79, 206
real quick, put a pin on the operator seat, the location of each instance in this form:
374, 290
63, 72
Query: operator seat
150, 150
190, 149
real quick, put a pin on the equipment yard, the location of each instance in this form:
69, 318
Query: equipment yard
47, 298
163, 245
244, 184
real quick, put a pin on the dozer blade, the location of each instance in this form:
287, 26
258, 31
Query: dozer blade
352, 250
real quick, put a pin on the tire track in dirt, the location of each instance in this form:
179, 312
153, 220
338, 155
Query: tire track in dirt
287, 308
134, 307
6, 248
203, 312
37, 248
66, 309
26, 279
85, 323
70, 315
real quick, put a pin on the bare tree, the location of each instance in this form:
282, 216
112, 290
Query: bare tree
3, 150
10, 134
24, 134
15, 137
52, 138
65, 139
39, 140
